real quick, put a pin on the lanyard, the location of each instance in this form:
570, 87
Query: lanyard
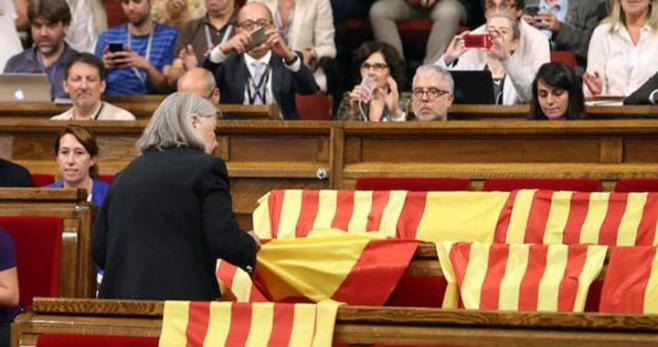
227, 32
142, 75
260, 88
95, 117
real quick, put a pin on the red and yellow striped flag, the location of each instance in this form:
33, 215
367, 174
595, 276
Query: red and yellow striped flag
354, 269
236, 283
631, 281
553, 278
197, 324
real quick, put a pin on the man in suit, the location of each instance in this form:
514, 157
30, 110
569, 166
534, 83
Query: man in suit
268, 73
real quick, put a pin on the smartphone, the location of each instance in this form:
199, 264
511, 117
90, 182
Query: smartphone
367, 88
115, 47
478, 41
532, 10
257, 38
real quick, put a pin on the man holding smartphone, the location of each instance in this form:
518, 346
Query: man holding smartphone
256, 66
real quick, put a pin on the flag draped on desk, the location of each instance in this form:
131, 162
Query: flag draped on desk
236, 284
631, 281
553, 278
215, 324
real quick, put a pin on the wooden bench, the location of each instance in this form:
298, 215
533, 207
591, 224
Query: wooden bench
361, 325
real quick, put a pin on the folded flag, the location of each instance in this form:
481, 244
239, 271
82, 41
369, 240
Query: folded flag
551, 278
631, 281
237, 284
354, 269
215, 324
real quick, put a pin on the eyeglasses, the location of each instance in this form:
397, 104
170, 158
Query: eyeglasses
432, 93
375, 66
249, 24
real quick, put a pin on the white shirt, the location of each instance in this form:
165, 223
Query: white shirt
82, 33
108, 112
622, 66
9, 41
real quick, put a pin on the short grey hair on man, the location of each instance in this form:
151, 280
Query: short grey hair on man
448, 82
171, 124
516, 29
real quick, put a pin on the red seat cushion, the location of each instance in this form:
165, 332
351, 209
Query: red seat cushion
38, 247
106, 178
637, 185
575, 184
418, 184
75, 340
565, 57
40, 180
313, 107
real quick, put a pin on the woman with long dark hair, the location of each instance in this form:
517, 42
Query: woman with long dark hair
557, 93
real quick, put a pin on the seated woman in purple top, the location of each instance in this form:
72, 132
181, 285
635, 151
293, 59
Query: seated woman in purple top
8, 286
76, 151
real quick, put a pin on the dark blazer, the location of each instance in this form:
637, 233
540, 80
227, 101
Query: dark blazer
231, 76
163, 224
14, 175
641, 95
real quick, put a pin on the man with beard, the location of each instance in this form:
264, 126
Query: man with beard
137, 53
49, 21
84, 80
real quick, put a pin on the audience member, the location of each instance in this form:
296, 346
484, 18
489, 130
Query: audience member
11, 42
148, 48
446, 15
512, 78
623, 49
201, 35
432, 93
14, 175
76, 152
49, 21
82, 32
568, 24
9, 293
268, 73
177, 13
200, 82
307, 26
173, 244
647, 94
84, 81
557, 93
377, 98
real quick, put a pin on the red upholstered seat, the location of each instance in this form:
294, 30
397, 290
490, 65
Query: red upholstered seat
412, 183
40, 180
637, 185
106, 178
575, 184
564, 57
313, 107
74, 340
38, 247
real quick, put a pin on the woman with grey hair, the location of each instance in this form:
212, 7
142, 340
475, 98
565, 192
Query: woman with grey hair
168, 217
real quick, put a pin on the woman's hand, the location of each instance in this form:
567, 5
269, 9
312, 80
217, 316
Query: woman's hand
455, 49
594, 83
188, 57
392, 98
498, 50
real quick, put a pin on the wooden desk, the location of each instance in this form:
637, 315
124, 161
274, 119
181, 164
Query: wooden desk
473, 112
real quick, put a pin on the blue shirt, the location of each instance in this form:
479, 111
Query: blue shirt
98, 190
124, 81
559, 10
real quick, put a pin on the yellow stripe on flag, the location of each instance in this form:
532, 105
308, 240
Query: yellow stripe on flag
651, 293
451, 296
261, 218
362, 206
290, 210
262, 318
325, 321
391, 215
549, 285
591, 270
219, 323
326, 209
519, 219
631, 219
461, 216
557, 217
510, 286
241, 286
303, 326
598, 208
474, 276
174, 324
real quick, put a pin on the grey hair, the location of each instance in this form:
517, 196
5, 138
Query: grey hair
448, 82
516, 29
171, 124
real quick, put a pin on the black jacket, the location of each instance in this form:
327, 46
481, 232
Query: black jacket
14, 175
641, 95
163, 224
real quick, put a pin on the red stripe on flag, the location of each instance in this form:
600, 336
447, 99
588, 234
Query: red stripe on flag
538, 217
283, 319
646, 231
256, 295
529, 291
239, 326
411, 214
379, 269
626, 280
576, 257
460, 254
197, 323
344, 210
504, 218
379, 201
309, 210
275, 204
577, 214
610, 228
490, 292
226, 273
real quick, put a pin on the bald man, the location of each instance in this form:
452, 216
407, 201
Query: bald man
200, 82
265, 73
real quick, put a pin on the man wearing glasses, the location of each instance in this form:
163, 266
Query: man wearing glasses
431, 93
200, 82
256, 67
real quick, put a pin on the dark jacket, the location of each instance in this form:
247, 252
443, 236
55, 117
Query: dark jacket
231, 77
14, 175
641, 95
163, 224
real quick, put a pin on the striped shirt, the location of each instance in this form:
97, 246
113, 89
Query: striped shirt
124, 81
